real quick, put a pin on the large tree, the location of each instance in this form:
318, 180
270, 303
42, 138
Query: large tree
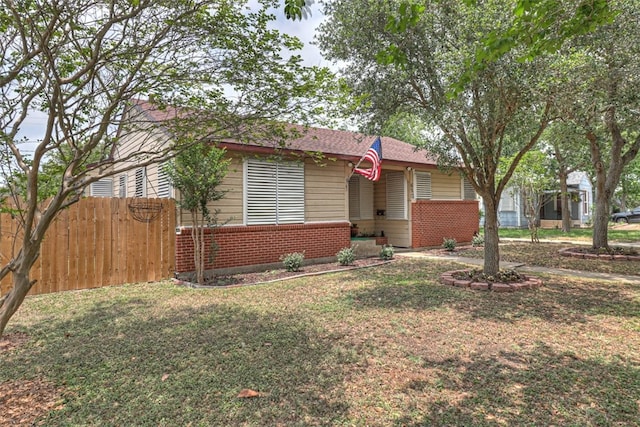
602, 100
411, 68
79, 65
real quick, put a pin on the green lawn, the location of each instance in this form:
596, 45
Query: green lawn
576, 234
384, 346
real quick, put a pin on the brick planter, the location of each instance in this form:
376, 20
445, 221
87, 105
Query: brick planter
577, 253
529, 283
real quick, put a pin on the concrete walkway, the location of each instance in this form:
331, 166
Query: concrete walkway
528, 269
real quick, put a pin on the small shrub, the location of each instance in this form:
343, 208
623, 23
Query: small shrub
292, 261
346, 256
477, 240
386, 253
449, 243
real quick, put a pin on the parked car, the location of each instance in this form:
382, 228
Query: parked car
632, 215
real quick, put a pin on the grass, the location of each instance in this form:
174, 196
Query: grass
619, 235
547, 255
384, 346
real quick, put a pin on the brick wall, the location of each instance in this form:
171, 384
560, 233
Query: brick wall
262, 244
433, 220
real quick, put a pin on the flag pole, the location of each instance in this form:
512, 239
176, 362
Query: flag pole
360, 161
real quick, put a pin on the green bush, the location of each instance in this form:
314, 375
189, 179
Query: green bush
386, 253
346, 256
477, 240
449, 243
292, 261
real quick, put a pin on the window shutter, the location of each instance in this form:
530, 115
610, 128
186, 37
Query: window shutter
468, 190
354, 197
102, 188
261, 193
422, 186
164, 186
140, 183
122, 186
290, 193
396, 196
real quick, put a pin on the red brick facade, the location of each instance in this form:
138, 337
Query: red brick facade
433, 220
264, 244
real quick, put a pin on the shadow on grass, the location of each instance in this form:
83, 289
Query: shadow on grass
415, 284
541, 387
126, 363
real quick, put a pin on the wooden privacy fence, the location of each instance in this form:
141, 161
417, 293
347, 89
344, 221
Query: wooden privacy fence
99, 242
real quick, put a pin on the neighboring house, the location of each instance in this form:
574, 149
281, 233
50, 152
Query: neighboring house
580, 202
298, 204
511, 208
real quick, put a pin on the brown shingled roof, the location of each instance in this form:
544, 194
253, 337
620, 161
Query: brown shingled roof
340, 144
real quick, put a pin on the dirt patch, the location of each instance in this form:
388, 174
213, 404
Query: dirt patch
626, 227
23, 402
11, 341
252, 278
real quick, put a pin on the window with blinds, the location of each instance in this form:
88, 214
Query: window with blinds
274, 192
140, 190
164, 186
396, 196
468, 192
102, 188
360, 198
422, 186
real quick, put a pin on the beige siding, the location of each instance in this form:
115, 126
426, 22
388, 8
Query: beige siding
445, 187
325, 188
230, 205
398, 231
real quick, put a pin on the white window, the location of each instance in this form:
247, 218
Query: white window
360, 198
396, 196
585, 203
102, 188
164, 186
122, 186
468, 192
507, 202
141, 187
274, 192
422, 186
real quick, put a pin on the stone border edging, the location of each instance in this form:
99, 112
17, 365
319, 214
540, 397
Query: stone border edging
576, 253
193, 285
447, 278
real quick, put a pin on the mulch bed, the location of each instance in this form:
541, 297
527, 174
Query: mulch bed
503, 281
613, 254
266, 276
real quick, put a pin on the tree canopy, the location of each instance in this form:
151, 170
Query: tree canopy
81, 65
406, 71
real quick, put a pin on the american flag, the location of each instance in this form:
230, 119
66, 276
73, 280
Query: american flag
373, 155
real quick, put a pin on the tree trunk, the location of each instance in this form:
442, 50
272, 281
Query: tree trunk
21, 287
564, 202
491, 238
601, 220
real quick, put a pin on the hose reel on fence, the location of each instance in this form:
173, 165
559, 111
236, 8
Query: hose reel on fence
145, 210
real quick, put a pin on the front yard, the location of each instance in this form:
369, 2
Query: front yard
381, 346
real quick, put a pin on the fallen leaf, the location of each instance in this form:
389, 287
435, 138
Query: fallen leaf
164, 377
248, 393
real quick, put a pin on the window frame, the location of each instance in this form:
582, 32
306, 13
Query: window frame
278, 191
